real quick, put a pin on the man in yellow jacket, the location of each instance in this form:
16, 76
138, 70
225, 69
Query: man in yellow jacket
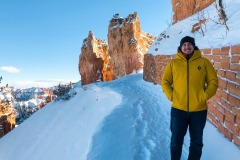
188, 81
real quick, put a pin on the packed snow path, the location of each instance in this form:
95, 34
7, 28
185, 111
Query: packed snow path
138, 128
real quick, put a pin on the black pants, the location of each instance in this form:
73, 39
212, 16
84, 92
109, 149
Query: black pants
180, 121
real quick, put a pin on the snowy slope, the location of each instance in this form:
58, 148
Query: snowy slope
61, 130
123, 119
214, 35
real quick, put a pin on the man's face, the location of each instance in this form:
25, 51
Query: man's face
187, 48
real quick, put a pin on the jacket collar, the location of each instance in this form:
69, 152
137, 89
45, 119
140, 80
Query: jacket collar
196, 54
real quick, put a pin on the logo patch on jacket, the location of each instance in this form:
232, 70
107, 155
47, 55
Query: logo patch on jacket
199, 68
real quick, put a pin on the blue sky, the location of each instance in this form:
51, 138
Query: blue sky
41, 40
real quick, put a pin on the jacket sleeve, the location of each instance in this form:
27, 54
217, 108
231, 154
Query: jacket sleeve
211, 80
167, 81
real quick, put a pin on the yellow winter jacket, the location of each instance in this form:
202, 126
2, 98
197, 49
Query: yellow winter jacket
189, 83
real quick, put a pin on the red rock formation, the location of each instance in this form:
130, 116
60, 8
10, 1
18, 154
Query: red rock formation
127, 44
93, 60
7, 119
183, 9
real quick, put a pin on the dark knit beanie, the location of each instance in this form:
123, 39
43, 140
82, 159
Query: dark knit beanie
187, 39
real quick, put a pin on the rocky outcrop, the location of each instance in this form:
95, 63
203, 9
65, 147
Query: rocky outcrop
93, 60
123, 55
183, 9
127, 44
7, 118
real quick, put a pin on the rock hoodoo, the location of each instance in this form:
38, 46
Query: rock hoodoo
127, 44
93, 60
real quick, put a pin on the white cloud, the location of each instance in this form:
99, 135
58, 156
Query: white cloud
9, 69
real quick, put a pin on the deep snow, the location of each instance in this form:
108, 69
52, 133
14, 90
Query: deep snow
127, 118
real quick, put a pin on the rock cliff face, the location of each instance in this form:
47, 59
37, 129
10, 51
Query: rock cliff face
127, 44
93, 60
123, 55
183, 9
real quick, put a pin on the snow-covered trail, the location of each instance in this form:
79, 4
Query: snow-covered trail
139, 128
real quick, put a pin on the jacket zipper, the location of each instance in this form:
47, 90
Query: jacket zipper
188, 85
